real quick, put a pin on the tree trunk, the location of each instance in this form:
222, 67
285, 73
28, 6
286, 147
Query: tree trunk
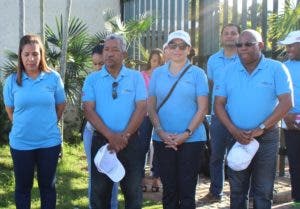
42, 28
21, 18
63, 58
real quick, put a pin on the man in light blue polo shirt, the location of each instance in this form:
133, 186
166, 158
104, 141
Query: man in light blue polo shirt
292, 119
252, 96
115, 104
220, 138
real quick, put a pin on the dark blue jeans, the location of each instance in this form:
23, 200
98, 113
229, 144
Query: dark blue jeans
45, 161
292, 142
220, 141
178, 172
262, 172
101, 186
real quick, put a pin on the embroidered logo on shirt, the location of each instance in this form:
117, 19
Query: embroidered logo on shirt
265, 83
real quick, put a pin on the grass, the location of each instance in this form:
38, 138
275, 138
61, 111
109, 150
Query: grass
71, 181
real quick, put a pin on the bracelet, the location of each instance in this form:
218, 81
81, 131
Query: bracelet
158, 128
127, 136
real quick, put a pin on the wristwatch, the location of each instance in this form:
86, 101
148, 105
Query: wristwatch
158, 128
262, 126
189, 131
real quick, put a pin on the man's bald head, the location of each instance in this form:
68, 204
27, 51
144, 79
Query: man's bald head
256, 35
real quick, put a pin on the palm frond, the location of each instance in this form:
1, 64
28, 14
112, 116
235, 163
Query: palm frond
77, 27
11, 55
98, 38
144, 52
283, 23
113, 22
78, 53
8, 68
51, 38
10, 64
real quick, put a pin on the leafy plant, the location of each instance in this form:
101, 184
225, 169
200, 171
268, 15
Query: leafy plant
10, 64
132, 31
78, 54
5, 124
283, 23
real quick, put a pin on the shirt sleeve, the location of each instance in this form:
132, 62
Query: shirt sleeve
141, 92
8, 91
201, 83
283, 80
152, 84
59, 94
220, 84
87, 89
209, 69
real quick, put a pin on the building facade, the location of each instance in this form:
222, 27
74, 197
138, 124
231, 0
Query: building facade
89, 11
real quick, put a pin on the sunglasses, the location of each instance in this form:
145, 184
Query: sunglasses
114, 93
247, 44
181, 46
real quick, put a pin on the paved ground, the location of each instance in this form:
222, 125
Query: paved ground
282, 198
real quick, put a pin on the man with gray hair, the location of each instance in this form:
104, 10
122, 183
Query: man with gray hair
252, 96
114, 101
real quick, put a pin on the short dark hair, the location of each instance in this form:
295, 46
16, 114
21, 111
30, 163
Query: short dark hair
98, 49
231, 25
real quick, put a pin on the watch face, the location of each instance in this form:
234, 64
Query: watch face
189, 131
262, 126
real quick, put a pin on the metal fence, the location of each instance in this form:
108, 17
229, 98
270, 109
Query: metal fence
203, 19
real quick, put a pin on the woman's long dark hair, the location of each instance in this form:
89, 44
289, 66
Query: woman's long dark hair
30, 39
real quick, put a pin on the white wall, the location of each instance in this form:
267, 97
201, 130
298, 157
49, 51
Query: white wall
89, 11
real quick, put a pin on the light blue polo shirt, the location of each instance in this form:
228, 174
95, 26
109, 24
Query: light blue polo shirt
215, 65
177, 113
252, 98
34, 117
294, 69
115, 113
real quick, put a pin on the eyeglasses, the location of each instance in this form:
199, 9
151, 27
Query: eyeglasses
114, 93
181, 46
247, 44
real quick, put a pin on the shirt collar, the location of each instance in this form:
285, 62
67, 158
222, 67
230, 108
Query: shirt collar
260, 66
123, 72
40, 76
182, 69
222, 55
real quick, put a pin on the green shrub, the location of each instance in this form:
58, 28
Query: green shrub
5, 124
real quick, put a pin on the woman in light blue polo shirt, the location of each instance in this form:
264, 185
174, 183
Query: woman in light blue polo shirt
34, 99
179, 136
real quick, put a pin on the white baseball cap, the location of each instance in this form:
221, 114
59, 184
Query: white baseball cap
292, 37
241, 155
181, 35
106, 162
